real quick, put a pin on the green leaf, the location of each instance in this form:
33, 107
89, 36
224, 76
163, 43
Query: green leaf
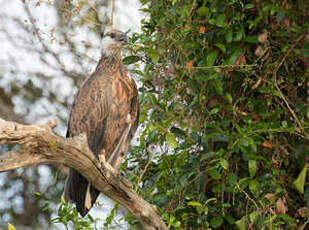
194, 203
229, 36
238, 35
214, 173
252, 167
284, 124
229, 98
212, 21
211, 58
254, 186
203, 11
220, 21
213, 200
130, 60
11, 227
234, 56
153, 55
224, 164
299, 183
253, 216
171, 140
174, 1
221, 47
216, 221
160, 198
231, 179
241, 224
288, 219
208, 155
249, 6
214, 111
145, 1
63, 200
38, 194
218, 86
178, 131
252, 39
244, 142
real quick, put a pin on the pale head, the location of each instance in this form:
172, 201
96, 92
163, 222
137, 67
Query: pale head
113, 41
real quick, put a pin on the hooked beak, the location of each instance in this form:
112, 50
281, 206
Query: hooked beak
123, 39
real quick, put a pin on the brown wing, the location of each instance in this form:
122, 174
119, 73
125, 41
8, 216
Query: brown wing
122, 119
90, 110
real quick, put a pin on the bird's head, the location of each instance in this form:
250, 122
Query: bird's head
113, 41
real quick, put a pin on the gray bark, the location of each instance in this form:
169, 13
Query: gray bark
40, 145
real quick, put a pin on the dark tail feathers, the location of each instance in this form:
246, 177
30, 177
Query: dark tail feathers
79, 191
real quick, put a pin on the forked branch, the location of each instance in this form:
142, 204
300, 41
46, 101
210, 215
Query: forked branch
40, 145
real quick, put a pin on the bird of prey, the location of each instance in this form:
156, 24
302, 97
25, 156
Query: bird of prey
106, 110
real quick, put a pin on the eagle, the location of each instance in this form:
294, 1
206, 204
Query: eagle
105, 109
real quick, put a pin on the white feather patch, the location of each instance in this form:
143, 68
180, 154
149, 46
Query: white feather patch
107, 44
88, 198
128, 118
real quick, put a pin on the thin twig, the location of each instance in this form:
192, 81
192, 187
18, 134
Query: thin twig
279, 90
80, 16
268, 131
145, 169
222, 66
112, 13
247, 195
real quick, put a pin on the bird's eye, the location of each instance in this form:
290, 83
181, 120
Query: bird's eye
112, 35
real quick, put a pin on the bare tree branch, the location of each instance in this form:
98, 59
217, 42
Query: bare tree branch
40, 145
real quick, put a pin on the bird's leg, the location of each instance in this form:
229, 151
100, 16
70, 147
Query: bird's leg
101, 156
103, 162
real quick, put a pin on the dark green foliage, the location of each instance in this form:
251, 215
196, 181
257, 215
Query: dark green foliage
224, 111
69, 217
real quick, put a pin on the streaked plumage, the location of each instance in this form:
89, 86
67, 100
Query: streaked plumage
106, 109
